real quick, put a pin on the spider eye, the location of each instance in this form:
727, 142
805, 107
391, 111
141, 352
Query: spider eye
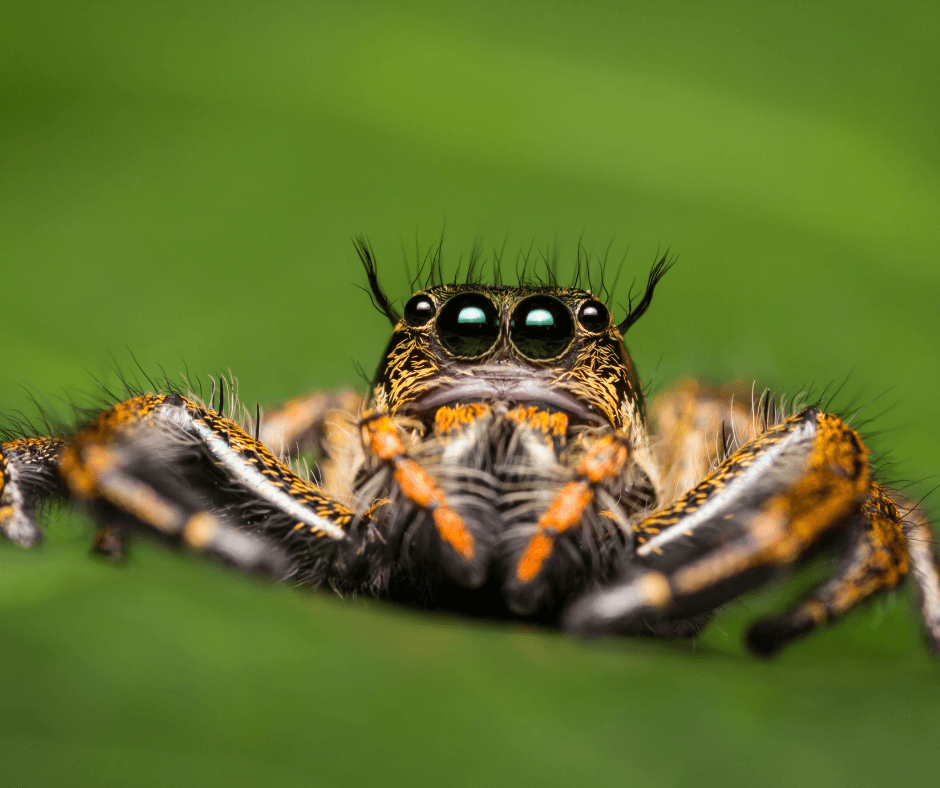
468, 325
594, 316
541, 327
419, 310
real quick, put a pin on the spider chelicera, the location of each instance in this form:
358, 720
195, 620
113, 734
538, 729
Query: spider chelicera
503, 466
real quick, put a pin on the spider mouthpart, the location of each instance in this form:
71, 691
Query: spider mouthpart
419, 310
468, 325
541, 327
594, 317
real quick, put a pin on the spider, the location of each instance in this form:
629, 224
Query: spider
504, 466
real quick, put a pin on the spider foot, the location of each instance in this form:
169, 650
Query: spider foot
19, 526
768, 636
110, 543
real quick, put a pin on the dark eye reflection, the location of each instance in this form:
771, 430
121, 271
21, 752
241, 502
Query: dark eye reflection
541, 327
468, 325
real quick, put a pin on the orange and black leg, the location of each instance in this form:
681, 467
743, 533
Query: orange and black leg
319, 427
440, 504
581, 513
164, 465
874, 558
761, 509
28, 477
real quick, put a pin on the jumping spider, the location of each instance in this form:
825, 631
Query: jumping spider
503, 466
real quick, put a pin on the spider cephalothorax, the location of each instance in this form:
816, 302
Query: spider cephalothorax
510, 384
504, 465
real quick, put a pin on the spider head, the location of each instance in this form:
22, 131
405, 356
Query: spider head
550, 345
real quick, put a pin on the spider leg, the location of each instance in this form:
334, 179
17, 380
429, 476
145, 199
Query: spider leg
924, 566
760, 509
874, 558
696, 425
27, 478
459, 521
527, 585
165, 465
319, 425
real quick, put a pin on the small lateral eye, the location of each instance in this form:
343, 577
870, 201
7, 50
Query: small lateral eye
419, 310
594, 316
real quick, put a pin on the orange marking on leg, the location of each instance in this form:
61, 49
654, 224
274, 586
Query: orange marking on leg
381, 438
565, 511
453, 531
536, 552
605, 459
568, 507
417, 484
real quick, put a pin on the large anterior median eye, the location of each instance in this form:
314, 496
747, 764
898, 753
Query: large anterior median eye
468, 325
541, 327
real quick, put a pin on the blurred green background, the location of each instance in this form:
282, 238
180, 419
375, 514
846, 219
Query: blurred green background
183, 179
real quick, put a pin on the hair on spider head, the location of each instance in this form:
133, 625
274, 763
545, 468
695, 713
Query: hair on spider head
379, 300
534, 267
658, 271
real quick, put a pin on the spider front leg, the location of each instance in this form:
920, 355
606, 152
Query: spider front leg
536, 574
319, 426
761, 509
165, 465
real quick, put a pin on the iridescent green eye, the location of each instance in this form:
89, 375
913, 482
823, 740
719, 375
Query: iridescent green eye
471, 314
468, 325
541, 327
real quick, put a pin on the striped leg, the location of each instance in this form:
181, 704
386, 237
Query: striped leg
537, 573
320, 427
874, 558
28, 477
458, 512
924, 567
760, 509
165, 465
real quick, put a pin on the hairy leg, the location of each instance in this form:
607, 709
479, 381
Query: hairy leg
320, 426
536, 574
28, 477
695, 426
761, 509
924, 569
165, 465
416, 494
874, 558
